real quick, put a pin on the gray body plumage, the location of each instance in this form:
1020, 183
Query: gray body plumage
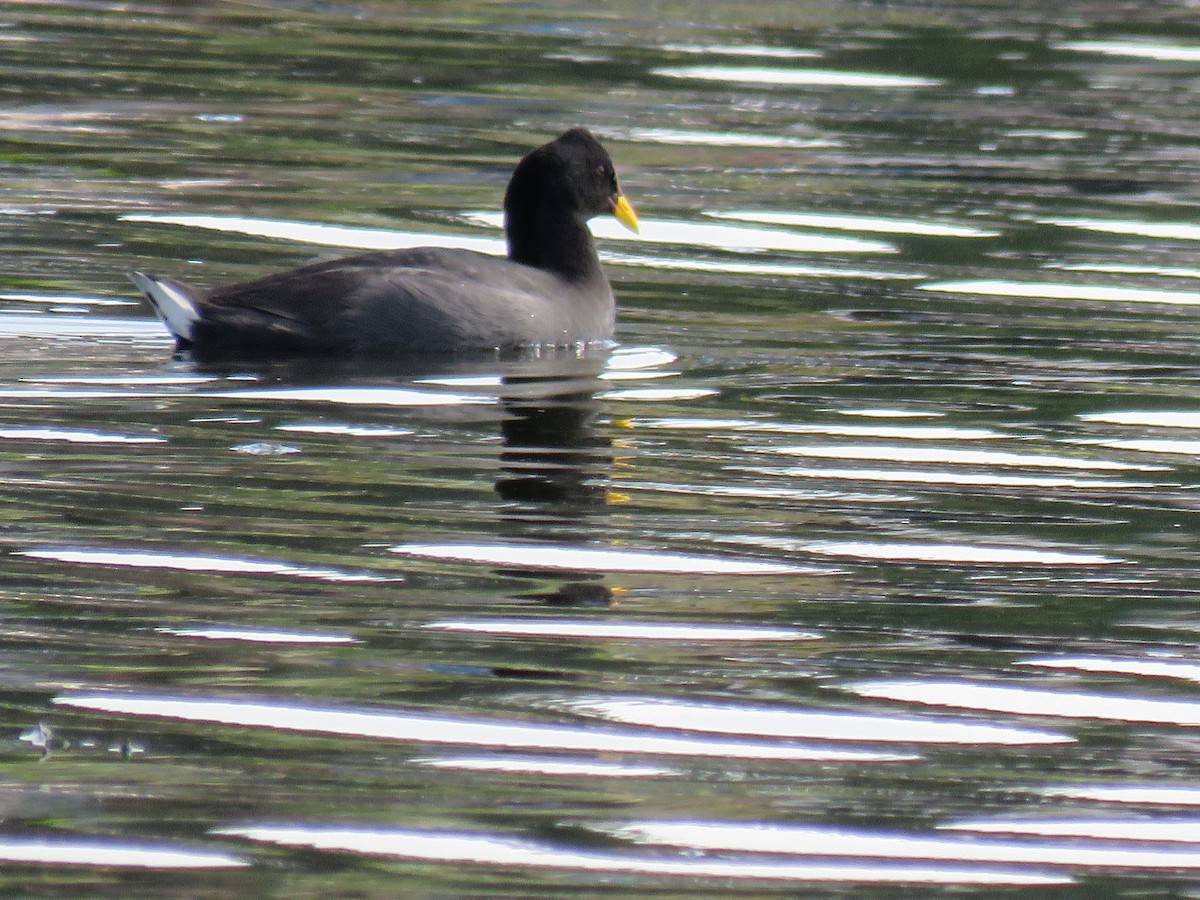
549, 290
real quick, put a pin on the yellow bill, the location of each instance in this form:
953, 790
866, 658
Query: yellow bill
623, 210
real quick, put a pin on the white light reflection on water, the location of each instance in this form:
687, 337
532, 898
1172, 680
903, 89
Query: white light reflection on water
766, 492
887, 432
934, 477
599, 559
872, 413
67, 299
1060, 291
1181, 231
254, 635
265, 448
356, 396
794, 77
709, 234
1175, 830
74, 435
102, 852
1150, 668
855, 223
1149, 794
1152, 445
1047, 134
637, 375
1136, 49
820, 840
626, 358
68, 394
133, 380
624, 363
640, 631
739, 267
327, 235
345, 429
715, 138
743, 50
486, 849
488, 381
546, 765
187, 562
457, 730
899, 453
792, 722
1148, 418
970, 554
43, 325
1127, 269
652, 395
1035, 701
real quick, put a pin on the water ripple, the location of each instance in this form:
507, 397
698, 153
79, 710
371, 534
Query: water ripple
1033, 701
254, 635
1152, 445
495, 850
1062, 291
1149, 794
743, 50
105, 852
345, 430
876, 224
599, 559
34, 325
164, 559
326, 235
1137, 49
74, 435
1181, 231
1153, 419
953, 478
957, 456
795, 722
693, 137
794, 77
1174, 830
640, 631
356, 396
887, 432
653, 395
457, 730
820, 840
546, 765
740, 267
67, 299
1150, 668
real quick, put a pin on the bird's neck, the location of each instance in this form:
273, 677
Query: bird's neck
550, 239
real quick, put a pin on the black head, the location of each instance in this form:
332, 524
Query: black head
553, 192
572, 173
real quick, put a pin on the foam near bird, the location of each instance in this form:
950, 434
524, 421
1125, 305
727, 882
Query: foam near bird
549, 291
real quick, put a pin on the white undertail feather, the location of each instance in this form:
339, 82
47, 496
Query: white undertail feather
171, 304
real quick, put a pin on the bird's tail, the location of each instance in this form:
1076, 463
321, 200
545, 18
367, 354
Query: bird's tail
174, 303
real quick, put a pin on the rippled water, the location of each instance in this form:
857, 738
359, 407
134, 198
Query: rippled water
864, 563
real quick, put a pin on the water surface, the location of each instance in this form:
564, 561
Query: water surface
864, 563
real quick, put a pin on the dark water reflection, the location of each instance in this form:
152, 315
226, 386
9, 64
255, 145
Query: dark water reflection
863, 564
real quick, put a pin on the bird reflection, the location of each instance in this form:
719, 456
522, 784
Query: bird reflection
555, 469
555, 466
553, 460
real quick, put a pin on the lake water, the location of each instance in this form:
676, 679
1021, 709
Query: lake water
864, 565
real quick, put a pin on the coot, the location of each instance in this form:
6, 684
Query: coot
549, 291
